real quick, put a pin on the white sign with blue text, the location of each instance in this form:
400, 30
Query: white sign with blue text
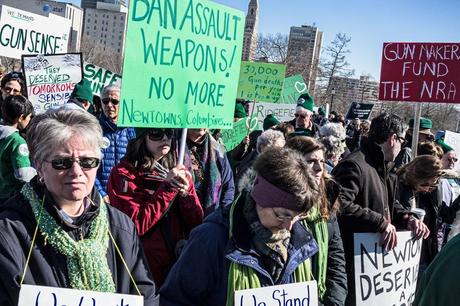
45, 296
302, 294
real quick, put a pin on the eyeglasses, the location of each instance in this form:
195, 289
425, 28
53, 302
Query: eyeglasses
402, 140
284, 218
452, 159
301, 116
107, 100
11, 89
66, 163
157, 135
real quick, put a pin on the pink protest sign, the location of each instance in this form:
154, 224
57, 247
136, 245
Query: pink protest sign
420, 72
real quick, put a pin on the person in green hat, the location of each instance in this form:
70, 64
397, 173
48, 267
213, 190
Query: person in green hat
303, 122
82, 95
424, 135
270, 121
240, 112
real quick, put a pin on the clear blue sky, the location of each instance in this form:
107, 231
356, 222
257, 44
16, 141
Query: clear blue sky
368, 22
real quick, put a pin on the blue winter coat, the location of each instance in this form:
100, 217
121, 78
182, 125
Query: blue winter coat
200, 275
119, 138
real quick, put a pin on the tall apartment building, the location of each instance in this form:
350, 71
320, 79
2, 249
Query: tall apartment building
250, 31
93, 3
45, 7
304, 49
349, 90
106, 24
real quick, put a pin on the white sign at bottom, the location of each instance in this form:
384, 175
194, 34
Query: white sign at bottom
45, 296
302, 294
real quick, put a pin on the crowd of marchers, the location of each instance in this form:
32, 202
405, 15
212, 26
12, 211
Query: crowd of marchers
89, 205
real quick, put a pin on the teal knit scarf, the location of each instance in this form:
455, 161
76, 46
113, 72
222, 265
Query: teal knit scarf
86, 259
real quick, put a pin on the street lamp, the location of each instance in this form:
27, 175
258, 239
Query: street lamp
332, 97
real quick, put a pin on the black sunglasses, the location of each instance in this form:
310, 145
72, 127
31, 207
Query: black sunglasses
66, 163
107, 100
402, 140
157, 135
301, 116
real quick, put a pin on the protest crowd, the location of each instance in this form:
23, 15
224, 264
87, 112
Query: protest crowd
116, 212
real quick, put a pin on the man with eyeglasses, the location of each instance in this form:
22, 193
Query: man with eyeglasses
424, 134
368, 190
303, 122
117, 137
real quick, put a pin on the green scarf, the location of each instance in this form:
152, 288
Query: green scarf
241, 277
86, 259
317, 226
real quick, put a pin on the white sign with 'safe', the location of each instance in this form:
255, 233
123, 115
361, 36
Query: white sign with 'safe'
46, 296
296, 294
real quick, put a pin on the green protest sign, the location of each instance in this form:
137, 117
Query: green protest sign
100, 77
233, 137
261, 81
182, 62
293, 87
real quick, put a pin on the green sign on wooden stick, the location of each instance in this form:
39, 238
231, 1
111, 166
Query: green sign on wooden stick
261, 81
182, 63
241, 128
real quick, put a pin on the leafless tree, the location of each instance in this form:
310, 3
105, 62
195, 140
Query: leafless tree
333, 64
272, 47
11, 64
96, 53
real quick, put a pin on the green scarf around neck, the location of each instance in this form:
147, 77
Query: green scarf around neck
241, 277
87, 264
317, 226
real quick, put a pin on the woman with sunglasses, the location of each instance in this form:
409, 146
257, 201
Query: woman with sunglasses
12, 84
419, 187
158, 195
254, 242
321, 221
58, 232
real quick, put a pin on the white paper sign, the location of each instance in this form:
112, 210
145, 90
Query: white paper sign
50, 79
100, 77
386, 278
282, 112
302, 294
453, 140
22, 33
47, 296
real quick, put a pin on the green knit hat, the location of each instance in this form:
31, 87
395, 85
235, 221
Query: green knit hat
444, 146
425, 123
240, 111
321, 111
270, 121
306, 101
82, 90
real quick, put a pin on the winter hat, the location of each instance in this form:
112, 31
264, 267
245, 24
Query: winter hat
270, 121
240, 112
444, 146
425, 125
306, 101
321, 111
82, 90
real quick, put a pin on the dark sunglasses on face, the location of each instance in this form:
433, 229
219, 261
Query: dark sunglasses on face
452, 159
157, 135
301, 116
107, 100
66, 163
402, 140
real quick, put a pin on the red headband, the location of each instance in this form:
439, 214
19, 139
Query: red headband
268, 195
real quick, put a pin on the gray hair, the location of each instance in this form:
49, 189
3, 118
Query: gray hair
334, 146
107, 89
303, 110
48, 131
269, 138
333, 129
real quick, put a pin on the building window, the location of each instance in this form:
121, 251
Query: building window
94, 28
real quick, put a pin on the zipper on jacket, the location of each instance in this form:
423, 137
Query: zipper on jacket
80, 235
